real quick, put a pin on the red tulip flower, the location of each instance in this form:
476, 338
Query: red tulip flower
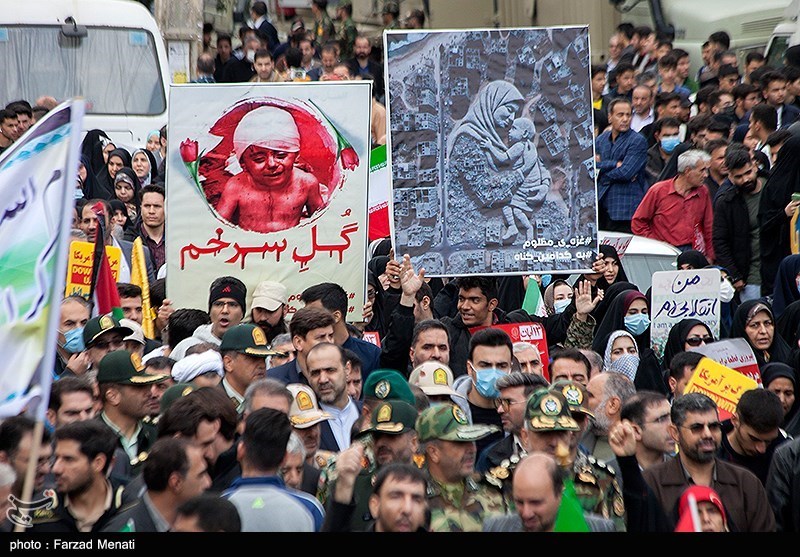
345, 152
349, 158
189, 150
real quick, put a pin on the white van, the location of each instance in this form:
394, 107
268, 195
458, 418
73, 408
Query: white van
110, 52
785, 34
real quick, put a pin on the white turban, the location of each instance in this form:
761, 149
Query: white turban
269, 127
189, 367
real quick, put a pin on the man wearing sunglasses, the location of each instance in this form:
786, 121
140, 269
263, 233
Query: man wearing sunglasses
698, 432
101, 335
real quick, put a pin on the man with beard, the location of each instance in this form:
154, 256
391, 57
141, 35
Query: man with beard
85, 498
389, 438
698, 432
269, 308
128, 395
362, 65
607, 393
326, 373
736, 232
226, 307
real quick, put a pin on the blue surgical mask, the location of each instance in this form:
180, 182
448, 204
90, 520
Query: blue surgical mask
73, 341
485, 380
669, 143
546, 279
637, 323
560, 305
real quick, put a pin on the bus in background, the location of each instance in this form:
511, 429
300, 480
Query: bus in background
109, 52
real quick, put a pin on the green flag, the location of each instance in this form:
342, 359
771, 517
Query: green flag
533, 302
570, 513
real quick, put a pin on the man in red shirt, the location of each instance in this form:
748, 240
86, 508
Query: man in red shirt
678, 211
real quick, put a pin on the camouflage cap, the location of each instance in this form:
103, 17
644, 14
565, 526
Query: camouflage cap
388, 384
548, 410
392, 417
574, 393
449, 423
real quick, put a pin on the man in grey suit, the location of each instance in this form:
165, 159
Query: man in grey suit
537, 487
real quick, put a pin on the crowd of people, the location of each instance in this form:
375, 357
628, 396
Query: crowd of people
235, 417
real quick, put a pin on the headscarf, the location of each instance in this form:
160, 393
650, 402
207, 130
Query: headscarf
614, 320
89, 184
92, 147
692, 257
774, 370
127, 171
784, 179
104, 181
378, 321
609, 295
701, 494
788, 325
626, 364
676, 340
550, 295
785, 290
778, 351
153, 174
117, 205
611, 251
479, 119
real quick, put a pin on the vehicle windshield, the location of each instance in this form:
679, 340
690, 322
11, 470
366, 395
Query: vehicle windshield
776, 50
115, 70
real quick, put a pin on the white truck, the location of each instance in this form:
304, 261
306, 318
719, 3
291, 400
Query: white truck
110, 52
785, 34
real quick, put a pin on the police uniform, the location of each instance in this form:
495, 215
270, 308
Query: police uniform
460, 506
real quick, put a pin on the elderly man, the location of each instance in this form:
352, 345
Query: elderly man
529, 357
678, 211
271, 193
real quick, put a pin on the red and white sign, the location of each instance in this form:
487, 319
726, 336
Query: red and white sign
532, 333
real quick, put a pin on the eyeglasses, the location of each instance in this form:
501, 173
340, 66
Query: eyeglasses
506, 403
713, 427
697, 341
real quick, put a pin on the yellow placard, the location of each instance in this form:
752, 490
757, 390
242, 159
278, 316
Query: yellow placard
722, 384
79, 266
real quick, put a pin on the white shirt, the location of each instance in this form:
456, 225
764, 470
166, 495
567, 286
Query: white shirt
341, 421
638, 121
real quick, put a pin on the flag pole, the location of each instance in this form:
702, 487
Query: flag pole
30, 471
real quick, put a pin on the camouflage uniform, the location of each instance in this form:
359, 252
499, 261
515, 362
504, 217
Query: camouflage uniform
579, 333
461, 506
598, 490
347, 38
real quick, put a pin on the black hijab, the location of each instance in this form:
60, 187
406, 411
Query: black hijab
775, 195
136, 188
104, 182
789, 323
692, 257
92, 147
608, 296
117, 205
779, 351
772, 371
785, 290
378, 321
676, 340
614, 320
611, 251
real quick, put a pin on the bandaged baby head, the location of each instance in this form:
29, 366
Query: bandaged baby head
268, 127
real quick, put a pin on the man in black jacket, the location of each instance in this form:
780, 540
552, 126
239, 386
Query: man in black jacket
735, 232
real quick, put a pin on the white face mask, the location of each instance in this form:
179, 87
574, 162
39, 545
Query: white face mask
726, 291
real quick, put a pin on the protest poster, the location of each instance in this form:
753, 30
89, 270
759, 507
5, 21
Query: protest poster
37, 185
532, 333
79, 267
378, 194
491, 150
617, 240
720, 383
268, 181
678, 295
734, 353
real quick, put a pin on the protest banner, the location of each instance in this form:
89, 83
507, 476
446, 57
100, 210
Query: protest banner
379, 179
268, 181
491, 148
37, 185
532, 333
618, 241
720, 383
734, 353
678, 295
79, 266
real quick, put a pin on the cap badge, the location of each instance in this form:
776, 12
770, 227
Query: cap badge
384, 413
459, 415
106, 322
304, 401
440, 377
382, 389
259, 337
550, 406
573, 395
